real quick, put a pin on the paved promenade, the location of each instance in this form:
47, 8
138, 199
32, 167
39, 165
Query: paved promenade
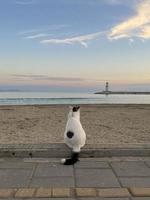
126, 178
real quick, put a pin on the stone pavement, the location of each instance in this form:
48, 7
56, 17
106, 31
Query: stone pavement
124, 178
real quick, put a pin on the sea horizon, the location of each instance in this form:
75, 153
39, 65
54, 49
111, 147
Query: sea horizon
34, 98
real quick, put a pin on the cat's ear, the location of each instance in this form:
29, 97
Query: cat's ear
75, 108
78, 107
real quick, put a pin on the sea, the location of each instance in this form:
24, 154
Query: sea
46, 98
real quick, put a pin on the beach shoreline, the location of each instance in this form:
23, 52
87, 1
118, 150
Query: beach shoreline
103, 123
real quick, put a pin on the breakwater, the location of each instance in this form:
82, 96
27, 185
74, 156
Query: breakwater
123, 92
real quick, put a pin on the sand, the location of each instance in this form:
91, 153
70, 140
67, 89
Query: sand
116, 124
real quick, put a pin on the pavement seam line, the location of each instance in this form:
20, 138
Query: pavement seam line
109, 163
75, 181
32, 174
96, 192
35, 191
14, 193
72, 194
128, 188
145, 162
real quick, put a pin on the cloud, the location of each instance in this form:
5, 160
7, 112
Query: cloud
83, 39
114, 2
44, 28
136, 26
43, 78
22, 77
145, 32
128, 3
32, 31
40, 35
25, 2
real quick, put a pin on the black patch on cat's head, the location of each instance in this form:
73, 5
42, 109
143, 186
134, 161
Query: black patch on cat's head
75, 108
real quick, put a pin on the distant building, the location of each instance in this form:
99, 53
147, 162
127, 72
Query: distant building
106, 91
107, 87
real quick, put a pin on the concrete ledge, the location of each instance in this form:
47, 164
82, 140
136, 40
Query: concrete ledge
60, 150
73, 193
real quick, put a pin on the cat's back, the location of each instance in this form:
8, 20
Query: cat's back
73, 124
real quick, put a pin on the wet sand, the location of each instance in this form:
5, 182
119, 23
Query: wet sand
115, 124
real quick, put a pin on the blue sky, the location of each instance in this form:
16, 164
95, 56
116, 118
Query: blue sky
74, 45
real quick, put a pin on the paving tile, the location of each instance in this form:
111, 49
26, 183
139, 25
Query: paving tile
6, 193
131, 168
11, 178
95, 178
18, 199
96, 198
53, 182
61, 192
113, 192
101, 198
91, 164
44, 199
140, 192
139, 198
135, 181
48, 170
41, 199
44, 192
25, 193
15, 164
36, 160
86, 192
61, 199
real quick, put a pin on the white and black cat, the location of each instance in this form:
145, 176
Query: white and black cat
74, 135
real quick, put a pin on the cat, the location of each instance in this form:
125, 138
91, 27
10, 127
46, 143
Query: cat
74, 135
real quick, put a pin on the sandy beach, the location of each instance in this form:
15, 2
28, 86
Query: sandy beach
104, 124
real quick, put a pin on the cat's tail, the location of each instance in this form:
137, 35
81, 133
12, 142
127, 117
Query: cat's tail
74, 158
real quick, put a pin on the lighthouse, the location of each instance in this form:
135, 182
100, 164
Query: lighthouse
107, 87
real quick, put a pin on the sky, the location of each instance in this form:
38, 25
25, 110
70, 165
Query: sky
74, 45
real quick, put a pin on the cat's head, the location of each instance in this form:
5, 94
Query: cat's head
74, 111
75, 108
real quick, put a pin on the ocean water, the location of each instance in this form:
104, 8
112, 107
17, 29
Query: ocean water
33, 98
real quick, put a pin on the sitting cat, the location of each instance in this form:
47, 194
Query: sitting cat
74, 135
